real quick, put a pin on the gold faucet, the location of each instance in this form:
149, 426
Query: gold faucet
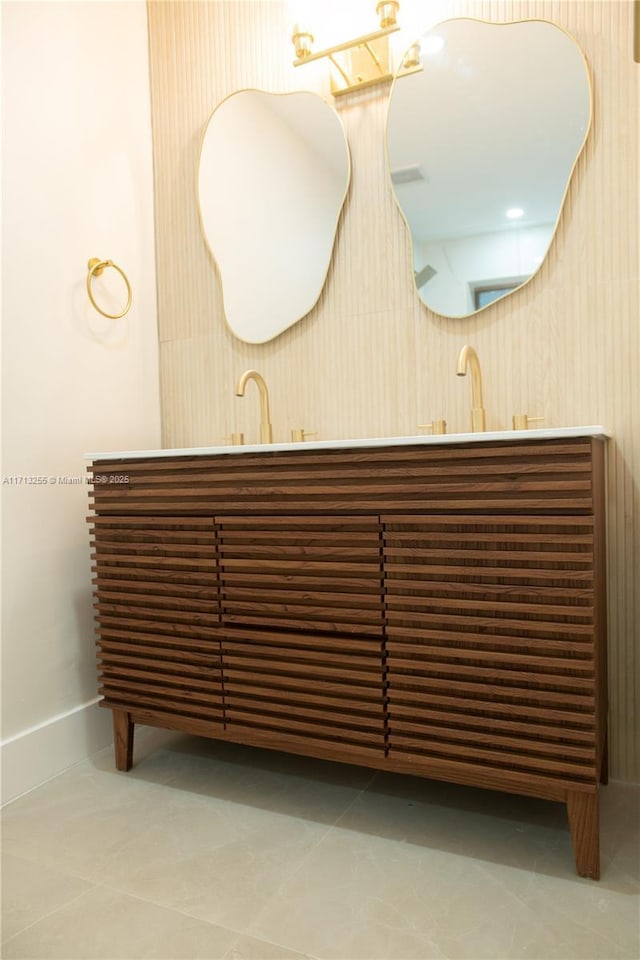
266, 431
468, 355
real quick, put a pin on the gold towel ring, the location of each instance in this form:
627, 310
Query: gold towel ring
96, 267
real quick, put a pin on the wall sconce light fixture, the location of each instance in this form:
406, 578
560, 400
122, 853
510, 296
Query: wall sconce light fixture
364, 61
302, 40
387, 11
411, 60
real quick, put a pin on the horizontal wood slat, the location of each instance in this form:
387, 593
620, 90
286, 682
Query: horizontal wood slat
565, 768
327, 697
309, 744
477, 702
130, 697
197, 640
158, 688
474, 502
495, 675
297, 661
521, 747
418, 460
523, 695
360, 675
433, 601
456, 717
323, 730
119, 613
579, 647
110, 594
489, 624
147, 664
296, 619
130, 558
167, 652
136, 578
518, 661
159, 625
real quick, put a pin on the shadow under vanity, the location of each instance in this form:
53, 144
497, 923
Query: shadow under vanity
433, 606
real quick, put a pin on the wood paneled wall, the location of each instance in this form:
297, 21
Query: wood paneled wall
370, 359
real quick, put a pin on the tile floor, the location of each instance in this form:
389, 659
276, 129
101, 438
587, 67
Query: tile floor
209, 850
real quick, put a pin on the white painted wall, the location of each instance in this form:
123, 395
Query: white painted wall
77, 183
465, 262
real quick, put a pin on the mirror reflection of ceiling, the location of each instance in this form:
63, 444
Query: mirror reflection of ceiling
481, 145
273, 176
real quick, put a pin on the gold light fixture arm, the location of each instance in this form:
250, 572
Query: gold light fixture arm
347, 45
345, 76
367, 47
96, 267
356, 77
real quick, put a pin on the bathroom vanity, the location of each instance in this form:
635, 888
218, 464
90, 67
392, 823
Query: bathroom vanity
433, 606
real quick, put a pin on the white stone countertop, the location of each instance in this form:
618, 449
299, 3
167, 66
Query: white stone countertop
550, 433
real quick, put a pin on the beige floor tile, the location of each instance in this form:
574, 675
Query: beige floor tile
594, 920
106, 924
248, 948
489, 826
82, 818
31, 890
214, 859
360, 896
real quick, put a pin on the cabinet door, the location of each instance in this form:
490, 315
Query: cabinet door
491, 646
302, 625
158, 613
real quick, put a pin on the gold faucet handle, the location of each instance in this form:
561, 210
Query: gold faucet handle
299, 436
522, 422
435, 427
237, 439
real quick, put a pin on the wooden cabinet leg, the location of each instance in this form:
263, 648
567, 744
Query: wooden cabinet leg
123, 739
583, 809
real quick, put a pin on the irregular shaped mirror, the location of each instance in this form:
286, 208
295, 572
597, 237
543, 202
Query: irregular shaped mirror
482, 139
273, 176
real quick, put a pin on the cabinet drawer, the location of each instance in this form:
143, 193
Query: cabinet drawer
313, 573
323, 688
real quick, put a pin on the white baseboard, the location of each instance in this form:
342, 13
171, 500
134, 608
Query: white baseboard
37, 754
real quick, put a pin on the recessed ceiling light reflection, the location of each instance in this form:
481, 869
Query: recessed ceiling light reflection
514, 213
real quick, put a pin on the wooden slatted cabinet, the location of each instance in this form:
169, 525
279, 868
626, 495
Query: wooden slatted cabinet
436, 609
